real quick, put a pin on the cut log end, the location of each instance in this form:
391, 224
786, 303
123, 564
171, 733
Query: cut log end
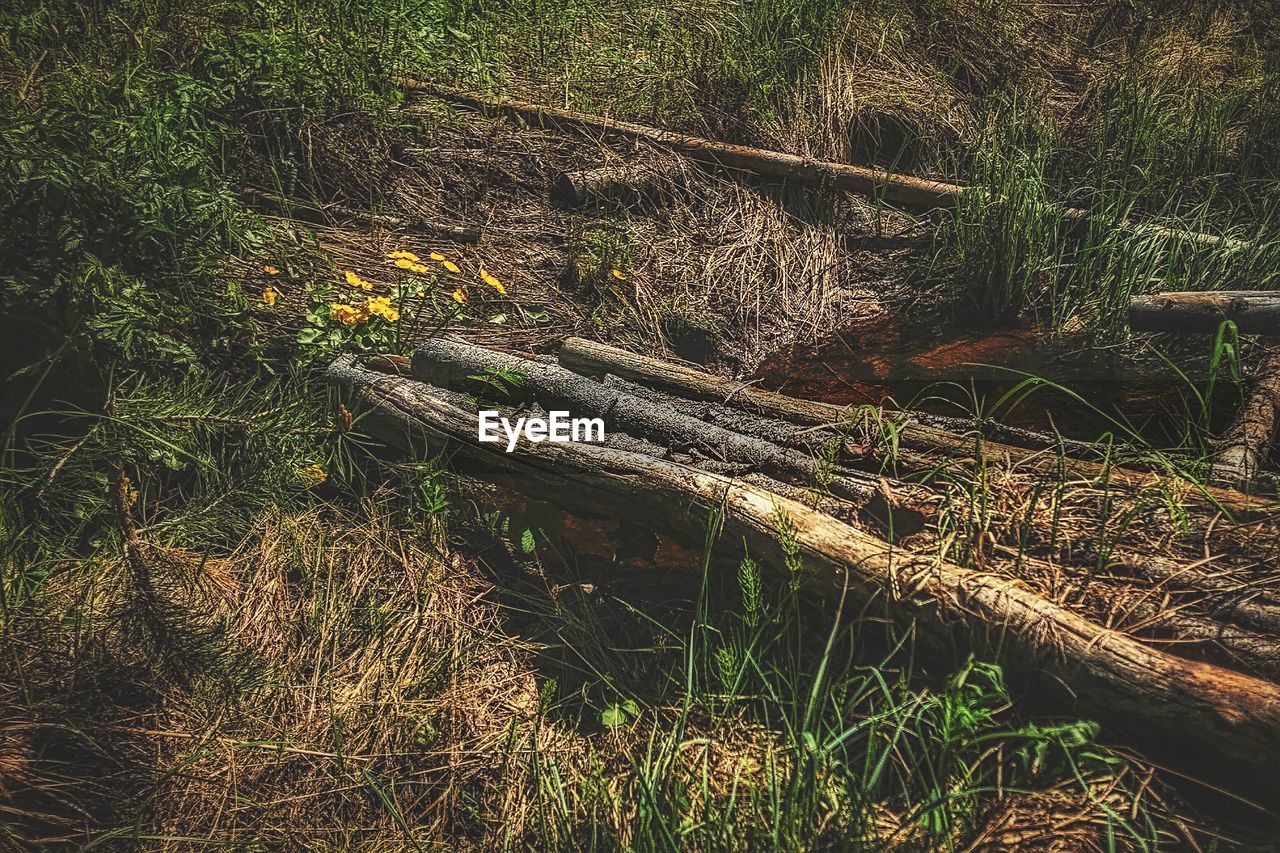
1253, 312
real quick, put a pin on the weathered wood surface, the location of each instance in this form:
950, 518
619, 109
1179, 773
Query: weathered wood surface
596, 359
1255, 312
616, 185
1210, 712
456, 365
877, 183
1246, 443
904, 189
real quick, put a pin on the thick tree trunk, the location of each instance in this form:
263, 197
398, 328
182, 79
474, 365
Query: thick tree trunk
596, 359
902, 189
1211, 713
1255, 312
1247, 442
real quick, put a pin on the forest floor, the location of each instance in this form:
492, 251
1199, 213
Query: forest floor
233, 618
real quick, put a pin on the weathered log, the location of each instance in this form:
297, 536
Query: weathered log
458, 365
327, 214
877, 183
1247, 441
596, 359
1179, 621
1227, 719
1255, 312
773, 164
1242, 603
618, 185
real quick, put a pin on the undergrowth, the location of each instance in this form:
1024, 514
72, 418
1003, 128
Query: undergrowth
228, 619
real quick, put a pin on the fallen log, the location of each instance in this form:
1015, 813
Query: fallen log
327, 214
1173, 619
1247, 604
461, 366
1247, 441
773, 164
877, 183
596, 359
1255, 312
1229, 602
1223, 718
621, 185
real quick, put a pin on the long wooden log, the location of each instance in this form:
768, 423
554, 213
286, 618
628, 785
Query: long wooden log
458, 365
596, 359
1247, 442
878, 183
1255, 312
1181, 622
326, 214
1226, 719
904, 189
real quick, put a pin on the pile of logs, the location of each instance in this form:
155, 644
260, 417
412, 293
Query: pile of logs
686, 450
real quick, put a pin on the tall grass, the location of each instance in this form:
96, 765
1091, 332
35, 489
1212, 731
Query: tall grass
1141, 189
783, 733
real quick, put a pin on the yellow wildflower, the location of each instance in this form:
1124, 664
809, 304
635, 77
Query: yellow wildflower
269, 296
492, 280
348, 315
450, 266
618, 274
401, 255
411, 266
460, 296
381, 306
436, 256
356, 281
270, 270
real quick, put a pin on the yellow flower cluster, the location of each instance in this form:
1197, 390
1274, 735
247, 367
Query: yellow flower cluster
356, 281
348, 315
407, 260
374, 306
491, 280
269, 296
411, 266
381, 306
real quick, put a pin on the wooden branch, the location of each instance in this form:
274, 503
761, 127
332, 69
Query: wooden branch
904, 189
1229, 720
1255, 312
877, 183
596, 359
1246, 444
326, 215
